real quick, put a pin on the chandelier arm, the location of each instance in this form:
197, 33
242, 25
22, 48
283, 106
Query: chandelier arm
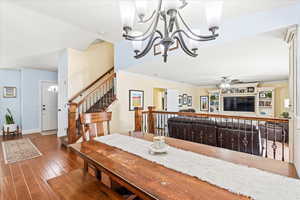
181, 41
196, 35
192, 38
155, 22
184, 47
145, 38
184, 4
147, 20
147, 48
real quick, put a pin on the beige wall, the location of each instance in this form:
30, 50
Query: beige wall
123, 119
86, 66
281, 93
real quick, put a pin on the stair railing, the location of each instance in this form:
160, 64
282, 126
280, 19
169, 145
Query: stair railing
96, 97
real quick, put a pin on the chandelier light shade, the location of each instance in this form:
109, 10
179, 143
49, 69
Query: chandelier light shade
141, 8
213, 13
167, 12
127, 9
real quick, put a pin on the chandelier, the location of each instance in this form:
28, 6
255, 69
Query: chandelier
168, 11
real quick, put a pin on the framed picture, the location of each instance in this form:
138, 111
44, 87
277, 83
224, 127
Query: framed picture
157, 48
204, 103
190, 101
136, 99
9, 92
180, 100
184, 99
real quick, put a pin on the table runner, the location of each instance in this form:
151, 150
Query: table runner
239, 179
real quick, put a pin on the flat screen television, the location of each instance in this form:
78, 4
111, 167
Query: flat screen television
239, 104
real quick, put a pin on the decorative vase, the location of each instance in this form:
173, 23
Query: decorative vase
10, 127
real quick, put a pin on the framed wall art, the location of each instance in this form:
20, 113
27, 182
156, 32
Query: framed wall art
204, 103
180, 100
189, 101
136, 99
9, 92
184, 99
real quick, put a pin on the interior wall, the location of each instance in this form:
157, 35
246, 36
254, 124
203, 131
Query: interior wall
30, 103
84, 67
123, 119
26, 107
297, 109
10, 78
281, 93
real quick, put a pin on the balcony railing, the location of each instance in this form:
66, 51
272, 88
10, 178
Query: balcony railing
267, 137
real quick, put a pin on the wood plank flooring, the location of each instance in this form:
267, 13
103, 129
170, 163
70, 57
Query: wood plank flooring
26, 180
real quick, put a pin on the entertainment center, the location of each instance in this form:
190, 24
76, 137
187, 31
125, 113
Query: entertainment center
243, 99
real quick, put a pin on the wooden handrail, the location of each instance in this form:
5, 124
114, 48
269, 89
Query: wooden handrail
266, 119
91, 85
112, 76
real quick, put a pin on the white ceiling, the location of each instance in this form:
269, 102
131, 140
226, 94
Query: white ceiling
261, 58
33, 32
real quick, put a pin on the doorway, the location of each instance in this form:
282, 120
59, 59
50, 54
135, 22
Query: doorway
49, 98
159, 99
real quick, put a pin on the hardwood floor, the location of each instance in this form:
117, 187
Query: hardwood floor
26, 180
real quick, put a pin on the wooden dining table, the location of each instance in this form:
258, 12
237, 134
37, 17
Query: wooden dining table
152, 181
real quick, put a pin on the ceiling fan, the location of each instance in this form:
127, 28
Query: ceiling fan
226, 83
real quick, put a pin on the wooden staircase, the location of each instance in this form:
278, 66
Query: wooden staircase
96, 97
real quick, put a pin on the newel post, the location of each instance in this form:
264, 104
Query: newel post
72, 123
138, 119
151, 119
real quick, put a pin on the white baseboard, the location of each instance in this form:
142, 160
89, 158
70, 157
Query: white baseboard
30, 131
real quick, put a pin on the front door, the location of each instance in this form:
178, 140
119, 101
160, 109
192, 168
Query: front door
49, 105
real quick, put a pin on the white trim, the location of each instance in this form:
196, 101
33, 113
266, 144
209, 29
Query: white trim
30, 131
25, 132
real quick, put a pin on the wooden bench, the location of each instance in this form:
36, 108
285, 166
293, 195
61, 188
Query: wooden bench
78, 185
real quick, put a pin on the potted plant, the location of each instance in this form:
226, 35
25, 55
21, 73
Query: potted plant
9, 122
285, 115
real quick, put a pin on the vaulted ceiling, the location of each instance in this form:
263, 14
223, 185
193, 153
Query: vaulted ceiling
33, 32
264, 57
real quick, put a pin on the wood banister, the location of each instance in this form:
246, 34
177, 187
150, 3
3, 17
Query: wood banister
138, 119
112, 76
265, 119
151, 119
72, 136
90, 85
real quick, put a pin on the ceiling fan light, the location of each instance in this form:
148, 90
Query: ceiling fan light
214, 13
127, 9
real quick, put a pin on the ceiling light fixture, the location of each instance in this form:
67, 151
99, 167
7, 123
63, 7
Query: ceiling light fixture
168, 11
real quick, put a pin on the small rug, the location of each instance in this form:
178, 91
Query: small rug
18, 150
